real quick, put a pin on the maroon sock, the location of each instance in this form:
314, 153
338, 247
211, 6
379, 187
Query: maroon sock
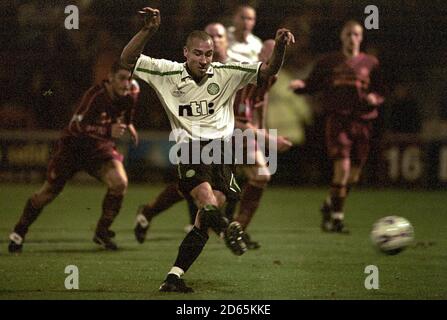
29, 215
338, 196
166, 199
111, 206
250, 199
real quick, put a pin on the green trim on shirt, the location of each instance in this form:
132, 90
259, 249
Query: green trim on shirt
158, 73
237, 68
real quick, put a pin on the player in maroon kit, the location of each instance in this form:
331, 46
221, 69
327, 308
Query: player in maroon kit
351, 94
87, 143
250, 109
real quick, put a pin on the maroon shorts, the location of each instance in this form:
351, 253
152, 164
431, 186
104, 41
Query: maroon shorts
348, 138
73, 154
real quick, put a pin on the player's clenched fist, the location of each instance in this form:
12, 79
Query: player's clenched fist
118, 130
152, 18
284, 36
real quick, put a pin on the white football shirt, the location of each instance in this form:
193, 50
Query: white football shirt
243, 51
197, 110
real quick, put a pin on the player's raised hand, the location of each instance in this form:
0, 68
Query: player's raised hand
118, 129
284, 36
152, 18
297, 84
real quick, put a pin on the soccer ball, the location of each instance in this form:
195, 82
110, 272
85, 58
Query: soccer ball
392, 234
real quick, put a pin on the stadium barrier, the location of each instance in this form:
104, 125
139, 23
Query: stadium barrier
402, 160
25, 155
410, 160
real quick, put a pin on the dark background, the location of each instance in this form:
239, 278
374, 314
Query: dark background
45, 68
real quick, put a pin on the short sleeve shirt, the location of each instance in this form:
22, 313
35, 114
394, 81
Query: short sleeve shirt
201, 110
243, 51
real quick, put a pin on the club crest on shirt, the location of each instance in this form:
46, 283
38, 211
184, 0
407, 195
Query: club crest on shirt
213, 89
190, 173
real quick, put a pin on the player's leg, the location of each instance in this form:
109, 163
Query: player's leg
192, 210
166, 199
113, 174
258, 177
220, 198
194, 242
359, 153
33, 208
337, 196
195, 180
61, 168
339, 144
354, 176
232, 204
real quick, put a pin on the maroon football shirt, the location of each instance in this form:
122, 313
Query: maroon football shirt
251, 102
345, 83
97, 112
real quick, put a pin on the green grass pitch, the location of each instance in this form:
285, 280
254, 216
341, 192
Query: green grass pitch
296, 260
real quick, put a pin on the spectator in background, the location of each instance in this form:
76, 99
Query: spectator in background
244, 46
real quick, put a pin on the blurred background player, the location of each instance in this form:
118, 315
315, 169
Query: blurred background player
208, 184
171, 194
219, 35
351, 93
87, 143
250, 109
243, 45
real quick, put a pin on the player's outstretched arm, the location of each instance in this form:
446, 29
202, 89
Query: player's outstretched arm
283, 38
133, 49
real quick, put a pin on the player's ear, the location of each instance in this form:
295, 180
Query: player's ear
185, 51
110, 76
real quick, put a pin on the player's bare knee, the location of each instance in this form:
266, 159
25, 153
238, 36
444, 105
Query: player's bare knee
341, 174
354, 176
354, 180
118, 185
220, 197
203, 195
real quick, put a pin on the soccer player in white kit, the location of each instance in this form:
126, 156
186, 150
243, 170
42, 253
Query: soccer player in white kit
200, 93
